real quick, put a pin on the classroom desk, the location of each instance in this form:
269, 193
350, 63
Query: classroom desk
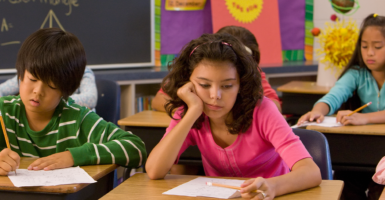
150, 126
103, 174
355, 147
298, 97
141, 187
382, 197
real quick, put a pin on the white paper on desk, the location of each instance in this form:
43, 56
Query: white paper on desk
26, 178
197, 187
327, 122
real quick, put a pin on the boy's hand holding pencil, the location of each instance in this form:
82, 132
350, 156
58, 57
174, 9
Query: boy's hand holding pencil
9, 161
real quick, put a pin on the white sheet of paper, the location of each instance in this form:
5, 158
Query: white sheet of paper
197, 187
26, 178
327, 122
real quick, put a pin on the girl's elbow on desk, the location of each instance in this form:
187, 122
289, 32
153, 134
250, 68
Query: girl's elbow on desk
310, 171
155, 170
154, 174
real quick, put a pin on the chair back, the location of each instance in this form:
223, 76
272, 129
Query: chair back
108, 105
318, 147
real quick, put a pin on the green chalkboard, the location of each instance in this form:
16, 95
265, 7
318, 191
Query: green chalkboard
115, 33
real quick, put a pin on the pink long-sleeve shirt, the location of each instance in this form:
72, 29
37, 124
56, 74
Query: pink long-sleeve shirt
268, 148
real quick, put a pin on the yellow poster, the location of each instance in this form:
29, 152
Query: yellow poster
178, 5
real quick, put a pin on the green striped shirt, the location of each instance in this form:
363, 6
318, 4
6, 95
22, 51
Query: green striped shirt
90, 139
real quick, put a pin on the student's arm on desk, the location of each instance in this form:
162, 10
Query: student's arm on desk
317, 113
304, 174
159, 101
164, 154
361, 118
99, 142
105, 143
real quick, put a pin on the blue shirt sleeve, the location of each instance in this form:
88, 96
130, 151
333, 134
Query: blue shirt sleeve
342, 91
87, 93
9, 87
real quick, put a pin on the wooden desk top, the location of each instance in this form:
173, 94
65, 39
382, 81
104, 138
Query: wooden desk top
372, 129
147, 118
304, 87
382, 197
95, 171
141, 187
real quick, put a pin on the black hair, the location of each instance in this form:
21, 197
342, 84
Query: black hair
246, 37
53, 56
356, 62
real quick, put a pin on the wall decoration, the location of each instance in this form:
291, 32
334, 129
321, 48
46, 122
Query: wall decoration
265, 26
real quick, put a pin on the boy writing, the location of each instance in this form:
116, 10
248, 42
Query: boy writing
42, 122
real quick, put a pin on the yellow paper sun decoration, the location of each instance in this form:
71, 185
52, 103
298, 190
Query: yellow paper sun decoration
245, 11
338, 43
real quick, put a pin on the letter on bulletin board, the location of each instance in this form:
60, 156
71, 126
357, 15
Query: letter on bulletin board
179, 5
261, 17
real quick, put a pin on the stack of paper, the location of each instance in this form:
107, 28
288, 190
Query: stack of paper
327, 122
25, 178
197, 187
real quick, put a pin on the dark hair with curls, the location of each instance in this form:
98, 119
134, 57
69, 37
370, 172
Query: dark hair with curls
53, 56
246, 37
356, 62
216, 48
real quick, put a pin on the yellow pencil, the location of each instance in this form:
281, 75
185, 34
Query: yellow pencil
229, 186
360, 108
5, 133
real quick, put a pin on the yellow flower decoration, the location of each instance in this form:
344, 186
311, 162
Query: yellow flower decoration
338, 42
245, 11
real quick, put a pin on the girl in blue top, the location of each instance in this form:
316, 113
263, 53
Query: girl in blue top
365, 74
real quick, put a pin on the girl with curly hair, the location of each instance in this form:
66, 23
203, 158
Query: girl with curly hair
216, 91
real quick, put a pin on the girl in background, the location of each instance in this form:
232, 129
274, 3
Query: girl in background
365, 74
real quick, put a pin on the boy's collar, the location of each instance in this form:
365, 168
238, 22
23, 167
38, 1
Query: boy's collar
69, 102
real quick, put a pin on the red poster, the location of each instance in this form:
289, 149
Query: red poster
261, 17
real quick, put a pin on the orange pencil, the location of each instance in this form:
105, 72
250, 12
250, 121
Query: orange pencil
5, 133
360, 108
230, 186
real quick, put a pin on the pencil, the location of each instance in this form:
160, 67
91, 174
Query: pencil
360, 108
229, 186
5, 133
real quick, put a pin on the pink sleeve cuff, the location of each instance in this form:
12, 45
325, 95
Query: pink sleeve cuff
379, 176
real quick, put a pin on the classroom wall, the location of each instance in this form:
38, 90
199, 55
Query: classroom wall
323, 10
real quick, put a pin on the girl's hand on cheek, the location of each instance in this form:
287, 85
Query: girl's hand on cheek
250, 186
188, 94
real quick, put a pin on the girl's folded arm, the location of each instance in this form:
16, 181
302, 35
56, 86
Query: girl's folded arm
164, 154
304, 174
